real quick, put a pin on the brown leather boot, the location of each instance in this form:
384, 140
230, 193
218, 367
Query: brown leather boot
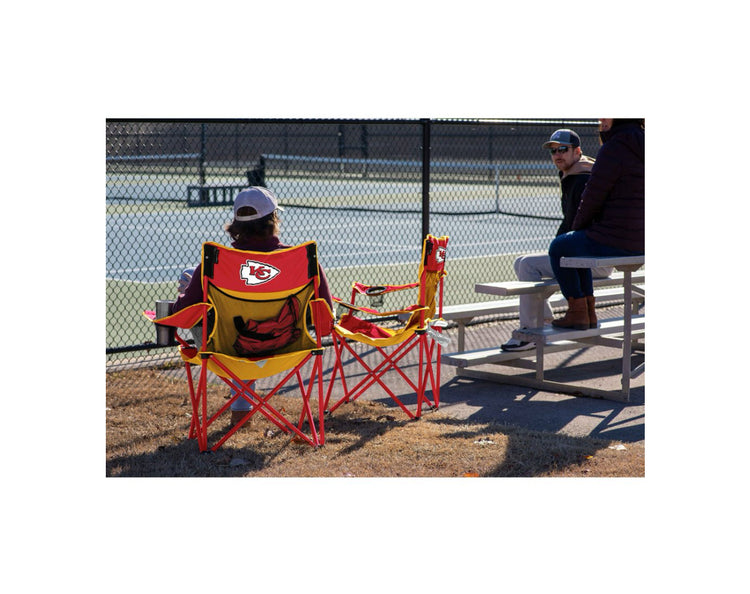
576, 317
238, 415
591, 304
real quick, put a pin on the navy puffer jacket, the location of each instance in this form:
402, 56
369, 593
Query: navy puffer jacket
612, 208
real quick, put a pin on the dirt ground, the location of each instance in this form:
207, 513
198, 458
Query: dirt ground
147, 436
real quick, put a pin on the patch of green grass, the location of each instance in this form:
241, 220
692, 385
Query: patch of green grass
126, 300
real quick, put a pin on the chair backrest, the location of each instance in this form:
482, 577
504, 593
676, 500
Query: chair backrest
431, 273
260, 299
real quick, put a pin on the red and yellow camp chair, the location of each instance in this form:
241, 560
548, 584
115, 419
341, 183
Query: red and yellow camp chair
422, 331
255, 319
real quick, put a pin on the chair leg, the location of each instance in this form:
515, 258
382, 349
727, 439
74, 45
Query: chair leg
321, 403
202, 396
429, 374
433, 373
389, 363
338, 369
261, 405
194, 419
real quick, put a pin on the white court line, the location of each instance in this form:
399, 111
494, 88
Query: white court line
330, 226
396, 247
409, 247
504, 242
140, 282
142, 269
450, 260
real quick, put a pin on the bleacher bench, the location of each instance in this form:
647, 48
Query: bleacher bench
626, 332
606, 291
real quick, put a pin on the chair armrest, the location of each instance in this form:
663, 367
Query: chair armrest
375, 312
185, 318
376, 290
380, 289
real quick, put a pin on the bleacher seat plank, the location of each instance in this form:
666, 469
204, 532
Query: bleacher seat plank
497, 355
553, 334
464, 313
507, 288
469, 311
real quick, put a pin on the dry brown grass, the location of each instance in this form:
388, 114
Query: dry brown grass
148, 416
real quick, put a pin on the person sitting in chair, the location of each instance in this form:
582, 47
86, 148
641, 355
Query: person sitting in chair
254, 227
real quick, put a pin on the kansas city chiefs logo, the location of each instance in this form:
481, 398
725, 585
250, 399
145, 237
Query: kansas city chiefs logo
257, 273
440, 255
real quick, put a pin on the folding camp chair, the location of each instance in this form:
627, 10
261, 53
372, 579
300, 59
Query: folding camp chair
421, 330
254, 316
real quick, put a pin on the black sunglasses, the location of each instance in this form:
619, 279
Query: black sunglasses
559, 149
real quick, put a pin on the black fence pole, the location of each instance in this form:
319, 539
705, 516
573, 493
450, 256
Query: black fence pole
202, 167
425, 177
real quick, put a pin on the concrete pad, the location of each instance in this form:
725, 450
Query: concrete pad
486, 401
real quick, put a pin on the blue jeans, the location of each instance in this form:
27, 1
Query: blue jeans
577, 282
240, 403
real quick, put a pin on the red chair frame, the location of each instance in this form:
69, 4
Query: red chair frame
255, 284
421, 330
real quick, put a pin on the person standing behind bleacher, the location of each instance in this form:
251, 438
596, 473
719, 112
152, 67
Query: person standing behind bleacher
574, 169
610, 219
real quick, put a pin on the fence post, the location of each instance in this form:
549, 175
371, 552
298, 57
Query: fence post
202, 167
497, 188
425, 177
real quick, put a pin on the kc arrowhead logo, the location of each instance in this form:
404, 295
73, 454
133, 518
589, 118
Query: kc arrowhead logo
257, 273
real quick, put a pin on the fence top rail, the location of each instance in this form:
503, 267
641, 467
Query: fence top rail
410, 121
153, 157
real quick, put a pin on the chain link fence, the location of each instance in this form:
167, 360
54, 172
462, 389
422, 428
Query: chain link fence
366, 190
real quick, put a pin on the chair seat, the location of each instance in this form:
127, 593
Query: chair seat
246, 367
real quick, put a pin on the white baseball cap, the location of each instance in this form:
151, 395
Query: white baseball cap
260, 199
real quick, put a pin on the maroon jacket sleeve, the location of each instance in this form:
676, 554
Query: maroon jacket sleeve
193, 294
324, 289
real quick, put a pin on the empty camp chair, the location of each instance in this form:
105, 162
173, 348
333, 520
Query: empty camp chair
255, 313
421, 331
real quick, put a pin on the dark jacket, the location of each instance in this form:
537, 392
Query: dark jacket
194, 292
612, 209
572, 183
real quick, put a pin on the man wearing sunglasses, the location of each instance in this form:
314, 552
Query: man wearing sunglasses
574, 169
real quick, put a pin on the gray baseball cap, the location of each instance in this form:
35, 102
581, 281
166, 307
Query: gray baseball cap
564, 136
